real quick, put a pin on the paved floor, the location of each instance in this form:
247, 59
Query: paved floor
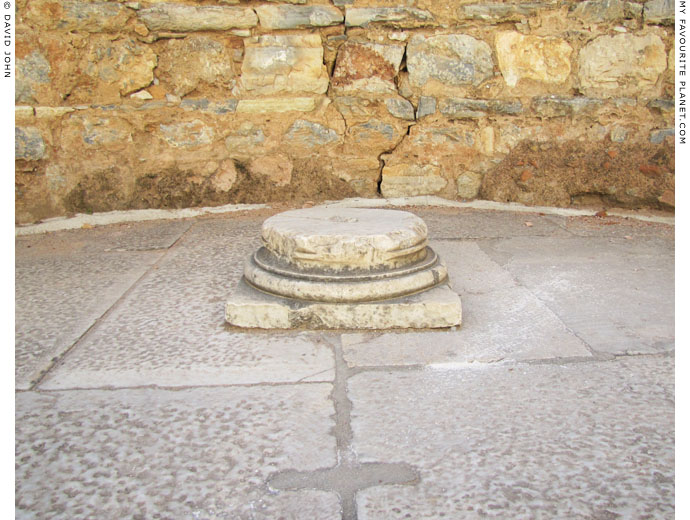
555, 399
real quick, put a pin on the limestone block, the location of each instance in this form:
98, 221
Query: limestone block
187, 18
532, 57
194, 61
341, 239
284, 64
277, 168
658, 136
187, 134
77, 15
121, 66
32, 70
435, 308
369, 67
28, 143
426, 106
556, 106
409, 180
659, 12
23, 112
372, 135
500, 12
310, 134
468, 185
268, 105
404, 17
246, 139
598, 11
458, 108
400, 108
293, 16
101, 131
452, 59
621, 65
225, 177
228, 106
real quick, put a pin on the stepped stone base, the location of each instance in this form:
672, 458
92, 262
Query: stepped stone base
434, 308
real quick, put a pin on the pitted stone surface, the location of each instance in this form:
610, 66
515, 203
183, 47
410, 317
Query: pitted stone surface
342, 238
585, 440
187, 454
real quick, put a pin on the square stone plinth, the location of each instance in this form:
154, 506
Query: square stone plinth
435, 308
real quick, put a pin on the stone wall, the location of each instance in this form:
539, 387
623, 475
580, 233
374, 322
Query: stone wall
160, 104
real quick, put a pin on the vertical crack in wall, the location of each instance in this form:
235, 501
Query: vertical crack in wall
348, 476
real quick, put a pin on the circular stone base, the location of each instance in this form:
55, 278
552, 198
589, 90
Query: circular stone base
342, 239
348, 288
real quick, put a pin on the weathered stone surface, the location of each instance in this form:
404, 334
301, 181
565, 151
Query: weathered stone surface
278, 168
284, 64
292, 16
599, 11
184, 18
397, 16
28, 143
477, 108
409, 180
204, 105
663, 105
310, 134
31, 70
623, 64
268, 105
468, 184
118, 67
659, 12
452, 59
195, 62
658, 136
247, 138
368, 67
426, 106
345, 238
225, 177
23, 112
500, 12
187, 134
437, 307
78, 16
532, 57
556, 106
400, 108
100, 131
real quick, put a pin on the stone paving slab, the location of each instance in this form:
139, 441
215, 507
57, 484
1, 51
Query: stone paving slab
59, 295
617, 295
171, 331
186, 454
579, 441
470, 223
504, 325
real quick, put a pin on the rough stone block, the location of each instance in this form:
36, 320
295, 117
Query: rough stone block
500, 12
409, 180
32, 70
194, 62
426, 106
658, 136
284, 64
555, 106
451, 59
468, 184
78, 16
292, 16
405, 17
544, 59
659, 12
368, 67
28, 143
477, 108
310, 134
188, 134
621, 65
268, 105
598, 11
400, 108
185, 18
436, 308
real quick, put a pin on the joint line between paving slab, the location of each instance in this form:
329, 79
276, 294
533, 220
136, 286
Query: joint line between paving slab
60, 358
